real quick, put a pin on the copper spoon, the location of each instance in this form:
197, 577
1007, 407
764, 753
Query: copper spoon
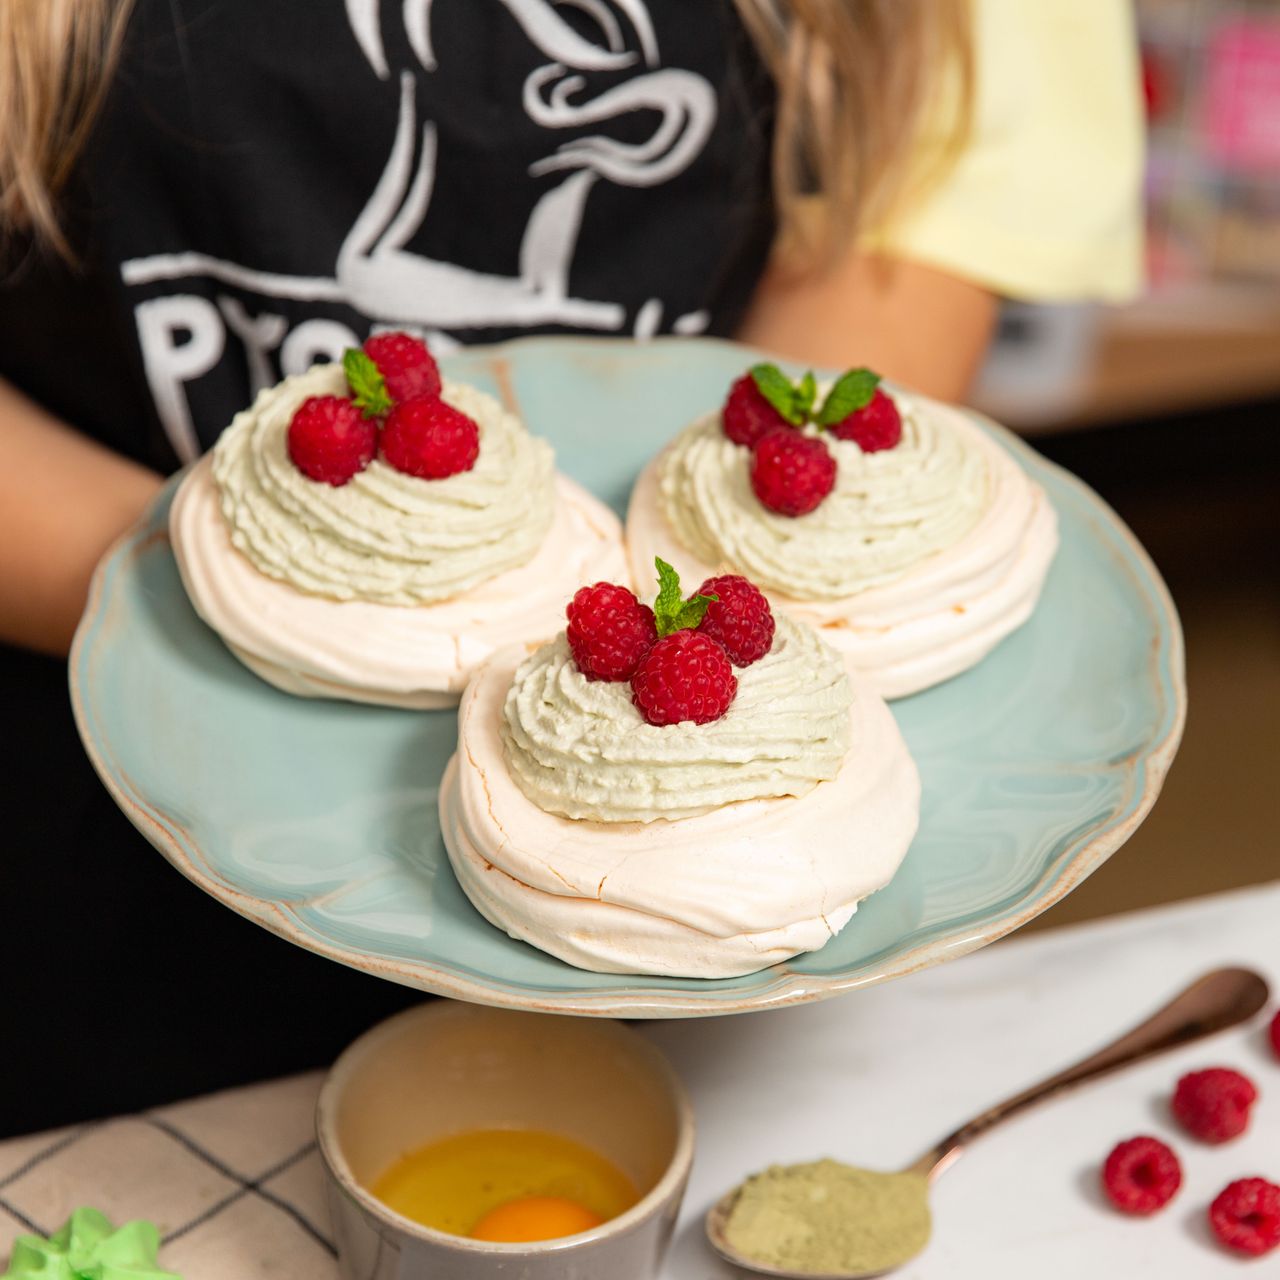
1221, 999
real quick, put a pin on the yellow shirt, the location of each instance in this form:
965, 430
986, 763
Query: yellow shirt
1045, 201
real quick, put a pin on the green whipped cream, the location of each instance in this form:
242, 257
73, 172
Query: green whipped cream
579, 748
888, 511
385, 536
89, 1248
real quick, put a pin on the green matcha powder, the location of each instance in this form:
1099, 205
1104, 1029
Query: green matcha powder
828, 1218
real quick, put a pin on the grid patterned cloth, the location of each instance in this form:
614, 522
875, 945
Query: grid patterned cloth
233, 1181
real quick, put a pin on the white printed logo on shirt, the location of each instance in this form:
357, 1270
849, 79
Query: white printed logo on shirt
183, 336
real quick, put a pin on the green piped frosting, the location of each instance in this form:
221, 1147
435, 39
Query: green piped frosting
89, 1248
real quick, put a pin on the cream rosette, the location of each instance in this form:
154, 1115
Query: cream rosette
390, 588
689, 850
921, 559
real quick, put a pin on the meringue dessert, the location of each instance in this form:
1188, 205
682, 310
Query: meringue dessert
896, 525
331, 570
703, 818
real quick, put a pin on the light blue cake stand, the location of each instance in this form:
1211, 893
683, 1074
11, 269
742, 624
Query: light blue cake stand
318, 820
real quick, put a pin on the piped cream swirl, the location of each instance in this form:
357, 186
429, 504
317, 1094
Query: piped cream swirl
580, 749
719, 894
384, 537
889, 510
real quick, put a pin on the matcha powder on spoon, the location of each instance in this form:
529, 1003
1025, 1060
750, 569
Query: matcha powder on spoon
829, 1218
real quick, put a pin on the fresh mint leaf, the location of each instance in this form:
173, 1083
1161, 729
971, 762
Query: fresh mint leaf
852, 391
805, 395
779, 391
670, 611
368, 387
668, 602
693, 611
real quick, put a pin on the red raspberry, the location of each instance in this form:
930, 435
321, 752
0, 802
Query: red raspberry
1246, 1216
407, 367
609, 631
1141, 1175
877, 425
685, 676
791, 473
330, 439
1275, 1034
1213, 1105
747, 415
740, 619
430, 439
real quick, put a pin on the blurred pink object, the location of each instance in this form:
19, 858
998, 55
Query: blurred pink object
1241, 95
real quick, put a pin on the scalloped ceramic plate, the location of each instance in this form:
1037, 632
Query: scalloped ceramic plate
318, 819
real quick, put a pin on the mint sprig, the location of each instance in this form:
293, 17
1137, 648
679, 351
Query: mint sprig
805, 394
368, 386
671, 612
794, 400
791, 399
852, 391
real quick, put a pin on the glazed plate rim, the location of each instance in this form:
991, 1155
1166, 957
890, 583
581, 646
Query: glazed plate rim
1145, 771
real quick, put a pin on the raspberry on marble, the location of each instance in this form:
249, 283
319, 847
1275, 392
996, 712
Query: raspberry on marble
1141, 1175
1213, 1105
1245, 1216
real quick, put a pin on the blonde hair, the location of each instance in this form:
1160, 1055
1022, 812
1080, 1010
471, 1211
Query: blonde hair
874, 101
56, 58
855, 80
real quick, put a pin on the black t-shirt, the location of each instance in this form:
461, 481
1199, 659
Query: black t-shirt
269, 181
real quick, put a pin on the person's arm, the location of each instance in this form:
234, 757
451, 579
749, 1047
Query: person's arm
63, 500
909, 322
1012, 217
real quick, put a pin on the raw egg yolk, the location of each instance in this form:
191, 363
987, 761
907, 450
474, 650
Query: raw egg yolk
535, 1218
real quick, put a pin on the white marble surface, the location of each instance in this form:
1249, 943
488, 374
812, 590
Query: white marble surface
876, 1077
873, 1078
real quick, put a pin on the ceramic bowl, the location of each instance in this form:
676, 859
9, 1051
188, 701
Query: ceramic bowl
446, 1068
